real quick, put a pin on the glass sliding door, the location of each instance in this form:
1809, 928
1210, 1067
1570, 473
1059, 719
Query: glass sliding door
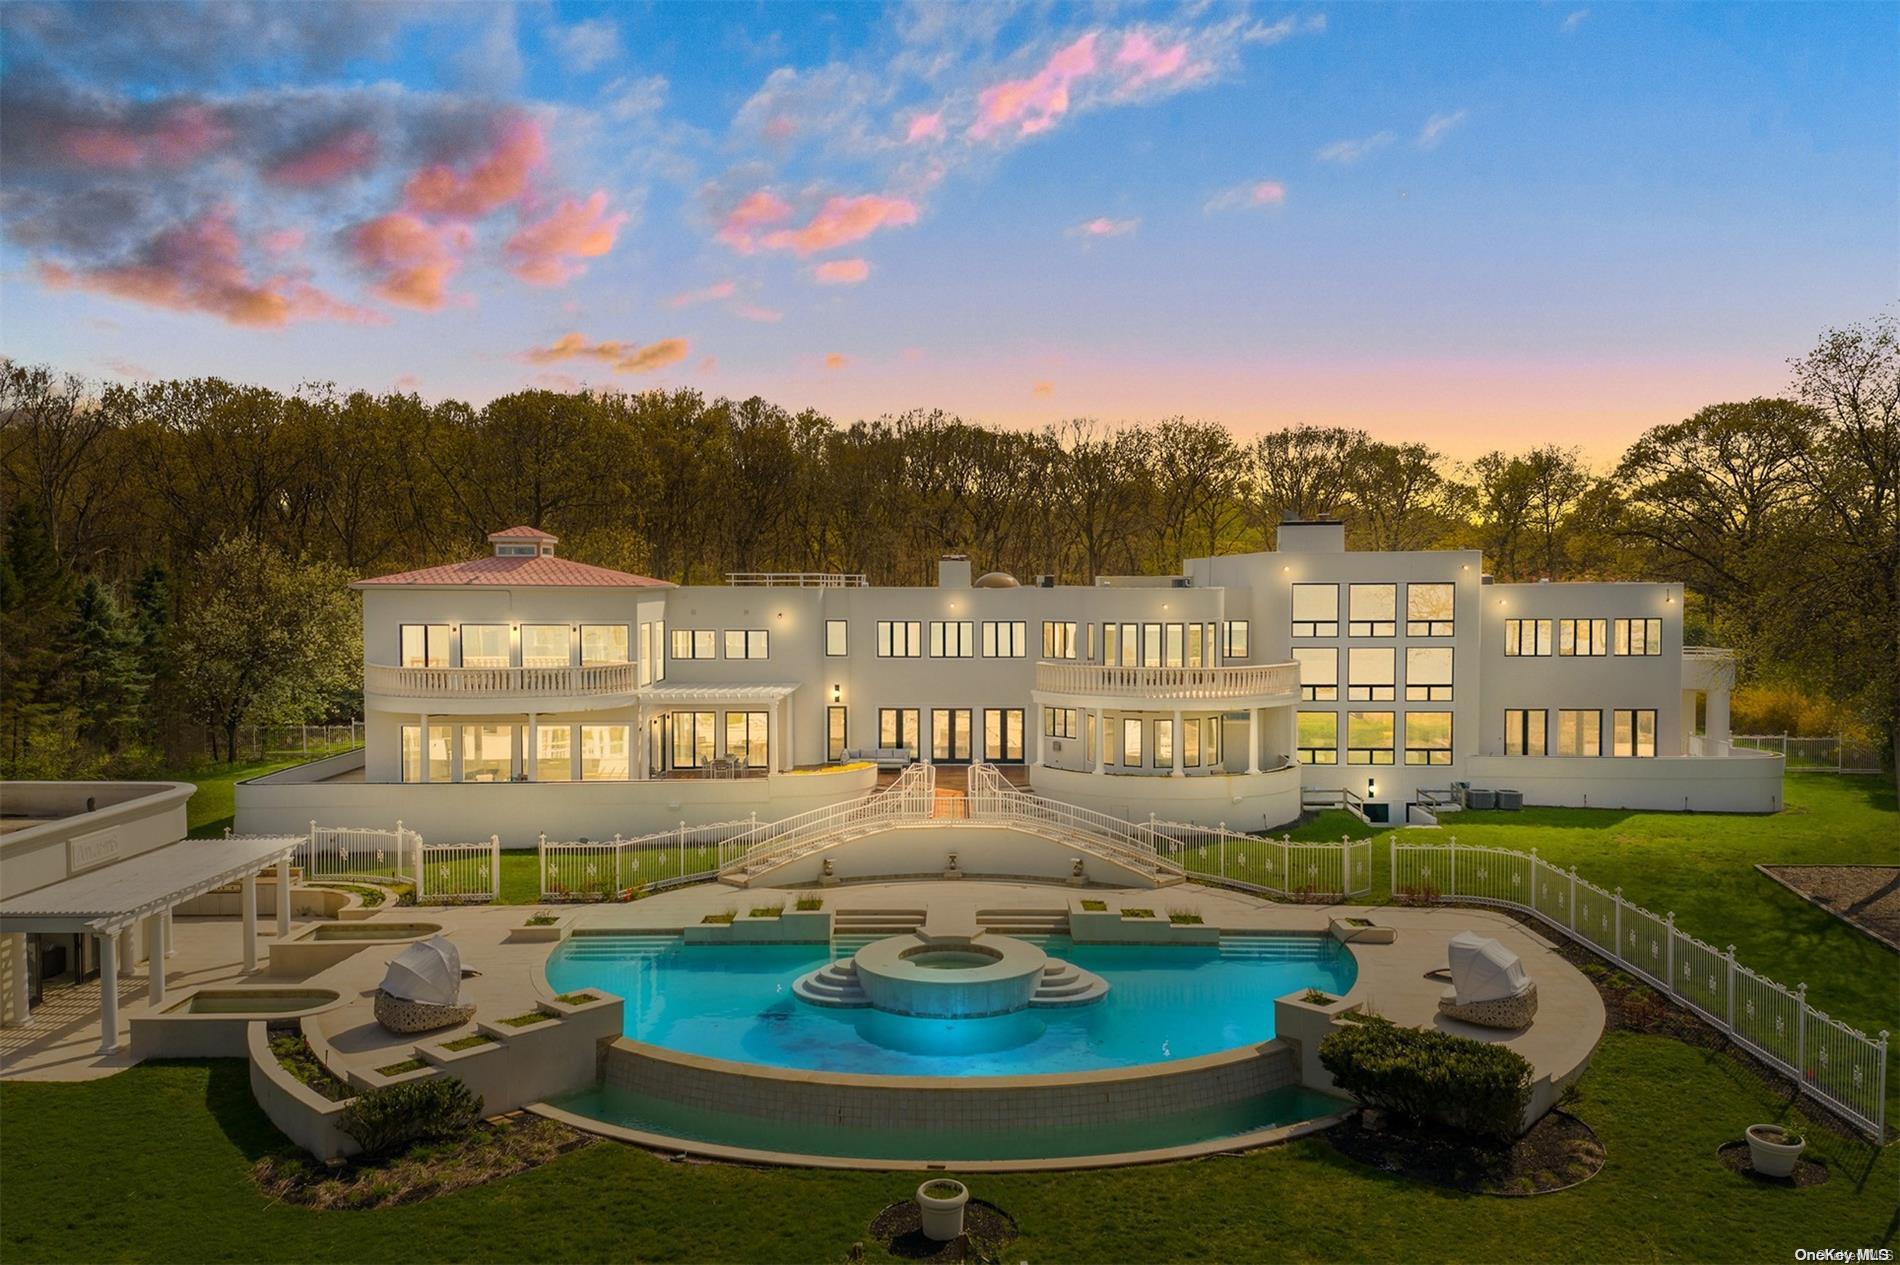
950, 734
1003, 734
897, 727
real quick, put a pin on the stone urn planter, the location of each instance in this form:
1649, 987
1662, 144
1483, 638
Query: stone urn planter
1773, 1150
941, 1201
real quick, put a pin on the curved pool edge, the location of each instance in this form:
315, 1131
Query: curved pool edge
1232, 1143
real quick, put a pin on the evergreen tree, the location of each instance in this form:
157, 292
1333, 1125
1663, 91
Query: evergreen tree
36, 594
152, 622
107, 680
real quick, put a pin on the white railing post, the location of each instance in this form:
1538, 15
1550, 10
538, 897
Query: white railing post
1451, 879
1880, 1090
1801, 1034
419, 868
1729, 1014
1573, 906
682, 849
1616, 953
1669, 955
541, 856
494, 866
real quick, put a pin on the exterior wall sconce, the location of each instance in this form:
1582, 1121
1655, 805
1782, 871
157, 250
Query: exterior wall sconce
836, 694
1371, 790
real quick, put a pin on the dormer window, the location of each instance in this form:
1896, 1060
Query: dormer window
523, 542
519, 551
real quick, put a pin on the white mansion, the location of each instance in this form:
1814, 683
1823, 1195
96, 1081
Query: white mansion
523, 693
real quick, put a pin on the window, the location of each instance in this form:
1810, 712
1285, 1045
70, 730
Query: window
1319, 673
1164, 744
1109, 642
1151, 645
439, 769
1174, 646
952, 638
646, 654
1091, 650
897, 727
1131, 742
546, 645
603, 643
1428, 674
1058, 722
1130, 648
1526, 637
427, 645
1369, 737
1088, 740
1372, 610
554, 753
1319, 737
659, 650
747, 643
694, 643
1058, 639
604, 753
1526, 730
1198, 646
835, 733
1639, 636
835, 638
1583, 636
1428, 737
488, 753
1370, 674
899, 639
1233, 639
1003, 733
1005, 639
1428, 609
695, 741
1633, 733
484, 645
746, 738
1210, 739
1191, 744
1579, 732
1316, 610
950, 733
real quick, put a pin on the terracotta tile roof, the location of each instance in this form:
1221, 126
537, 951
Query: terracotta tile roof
524, 572
522, 533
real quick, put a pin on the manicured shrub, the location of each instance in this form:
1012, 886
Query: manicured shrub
422, 1111
1424, 1076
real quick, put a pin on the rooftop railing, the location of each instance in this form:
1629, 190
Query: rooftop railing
797, 579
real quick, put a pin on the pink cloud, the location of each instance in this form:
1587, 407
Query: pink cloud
499, 177
543, 251
327, 161
710, 294
1102, 226
197, 266
1044, 388
835, 361
841, 272
740, 228
752, 312
841, 221
412, 260
623, 357
924, 127
1144, 62
180, 137
283, 241
1256, 193
1035, 103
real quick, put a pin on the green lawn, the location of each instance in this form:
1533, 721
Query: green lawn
181, 1137
214, 806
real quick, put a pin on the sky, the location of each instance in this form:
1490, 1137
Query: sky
1473, 226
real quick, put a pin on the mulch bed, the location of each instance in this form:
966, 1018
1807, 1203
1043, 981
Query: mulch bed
1807, 1172
1559, 1152
496, 1148
1863, 896
900, 1228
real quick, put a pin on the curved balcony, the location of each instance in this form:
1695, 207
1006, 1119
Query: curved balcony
1259, 684
472, 689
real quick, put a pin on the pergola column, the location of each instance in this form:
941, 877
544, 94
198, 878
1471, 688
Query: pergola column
1174, 747
283, 898
248, 886
166, 918
1253, 740
22, 986
108, 945
155, 958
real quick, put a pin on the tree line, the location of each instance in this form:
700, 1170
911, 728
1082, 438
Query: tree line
176, 552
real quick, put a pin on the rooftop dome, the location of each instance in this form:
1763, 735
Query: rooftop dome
996, 580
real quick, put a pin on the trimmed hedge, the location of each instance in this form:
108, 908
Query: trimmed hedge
1425, 1076
418, 1111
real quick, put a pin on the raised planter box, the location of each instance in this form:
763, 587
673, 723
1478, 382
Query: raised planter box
1110, 926
312, 950
214, 1023
791, 927
547, 933
1303, 1024
1360, 931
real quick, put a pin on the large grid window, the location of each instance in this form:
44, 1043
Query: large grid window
952, 639
1003, 734
1372, 610
746, 738
1526, 637
1428, 737
488, 753
605, 643
1058, 639
837, 638
695, 739
427, 645
1235, 636
900, 639
1370, 674
1315, 610
1005, 639
1319, 737
1580, 732
1526, 731
604, 753
1428, 674
435, 762
1059, 722
546, 645
897, 727
484, 645
1633, 732
1319, 673
695, 643
1369, 737
1583, 636
747, 643
1638, 636
1428, 609
553, 754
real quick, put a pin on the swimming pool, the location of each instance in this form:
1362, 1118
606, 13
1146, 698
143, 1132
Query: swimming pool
1164, 1003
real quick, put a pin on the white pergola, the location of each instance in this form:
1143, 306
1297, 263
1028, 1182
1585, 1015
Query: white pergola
108, 904
771, 697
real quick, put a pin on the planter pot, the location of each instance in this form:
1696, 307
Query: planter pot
942, 1212
1770, 1156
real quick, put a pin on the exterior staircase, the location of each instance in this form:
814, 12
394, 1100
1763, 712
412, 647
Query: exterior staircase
835, 985
1277, 948
1067, 985
619, 946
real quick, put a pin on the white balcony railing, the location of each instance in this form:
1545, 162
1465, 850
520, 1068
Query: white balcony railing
797, 579
1174, 685
594, 678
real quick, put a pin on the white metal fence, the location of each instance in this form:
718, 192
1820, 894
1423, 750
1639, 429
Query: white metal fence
1841, 1066
358, 852
458, 873
1830, 753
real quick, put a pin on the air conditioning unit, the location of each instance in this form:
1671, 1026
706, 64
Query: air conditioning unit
1056, 746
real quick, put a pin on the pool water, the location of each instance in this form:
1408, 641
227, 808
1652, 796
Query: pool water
1164, 1003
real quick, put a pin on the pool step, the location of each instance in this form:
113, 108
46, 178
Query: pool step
1024, 922
1064, 984
620, 947
875, 924
1277, 948
834, 984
